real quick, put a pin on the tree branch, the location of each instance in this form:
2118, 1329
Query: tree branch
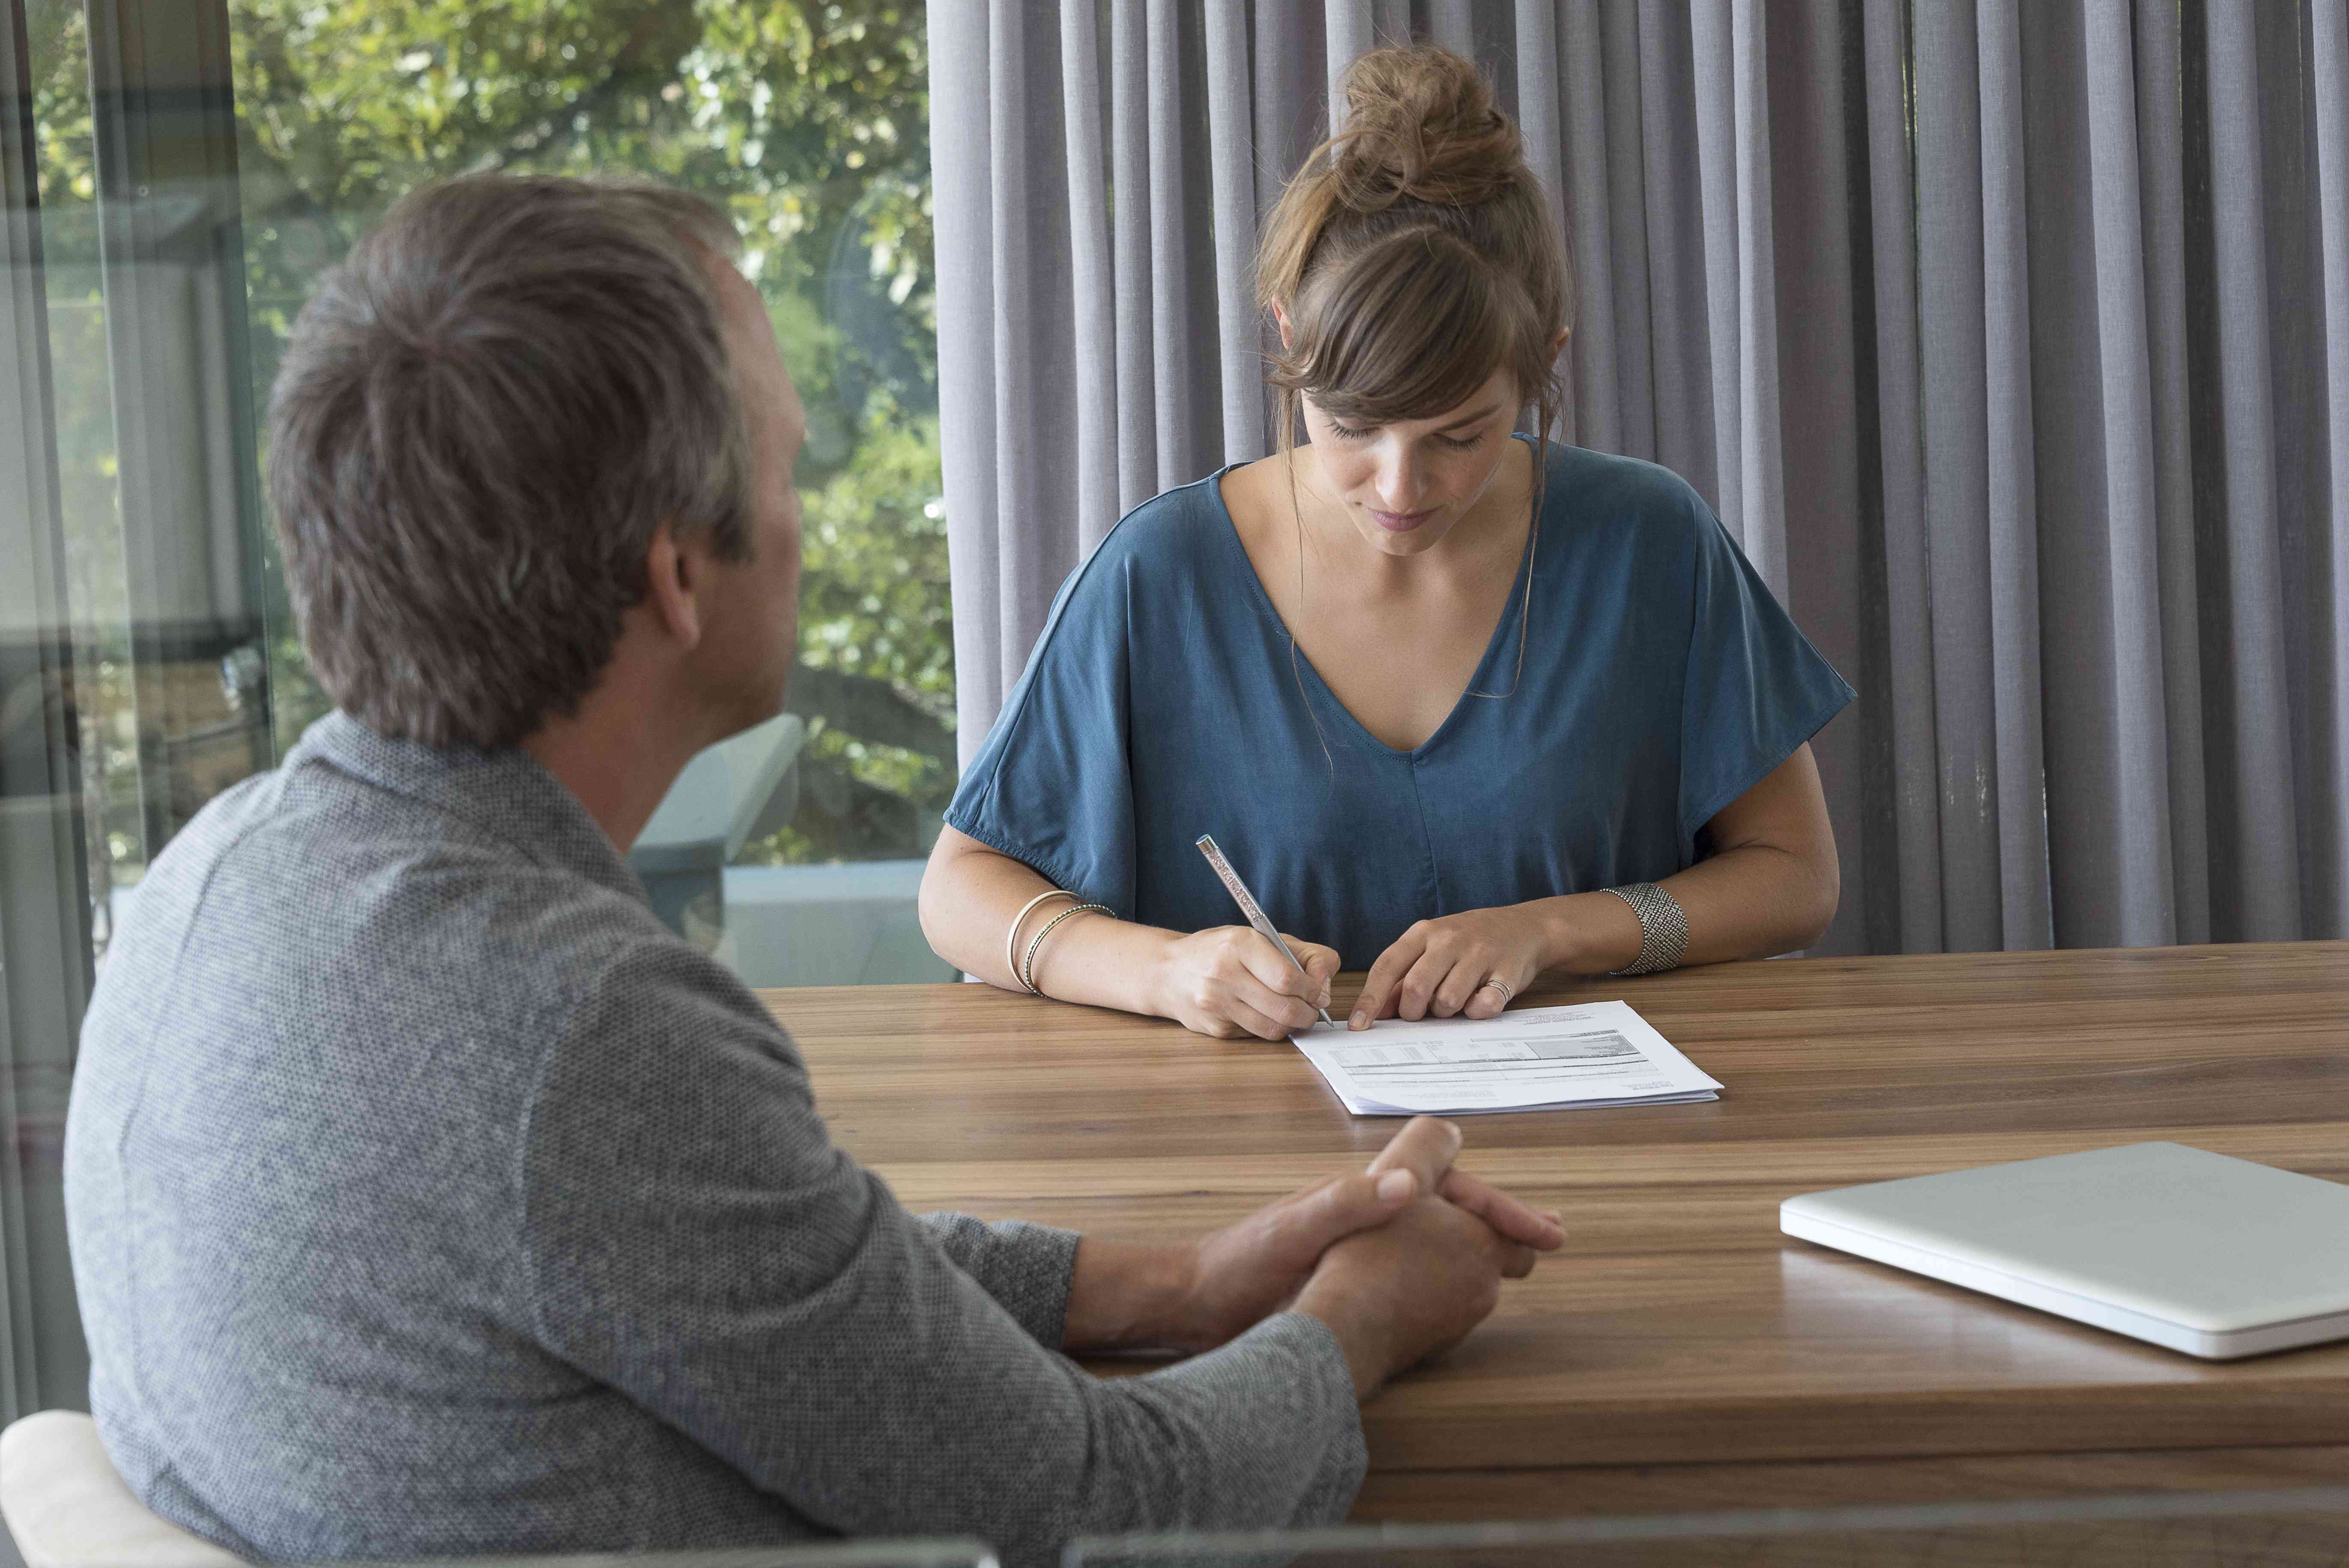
869, 709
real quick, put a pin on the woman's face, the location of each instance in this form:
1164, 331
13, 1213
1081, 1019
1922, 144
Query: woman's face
1404, 485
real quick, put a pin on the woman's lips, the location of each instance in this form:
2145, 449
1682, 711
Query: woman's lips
1399, 521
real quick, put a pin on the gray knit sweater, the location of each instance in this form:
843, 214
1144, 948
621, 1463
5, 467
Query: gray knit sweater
428, 1198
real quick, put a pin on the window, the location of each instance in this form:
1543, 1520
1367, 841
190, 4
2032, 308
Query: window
185, 229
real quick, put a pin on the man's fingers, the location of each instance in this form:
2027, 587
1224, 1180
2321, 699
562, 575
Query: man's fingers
1518, 1264
1390, 967
1511, 1217
1338, 1209
1426, 1147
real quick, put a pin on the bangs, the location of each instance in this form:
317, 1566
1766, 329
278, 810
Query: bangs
1412, 329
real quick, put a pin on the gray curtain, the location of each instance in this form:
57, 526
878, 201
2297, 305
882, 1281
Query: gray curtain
2009, 337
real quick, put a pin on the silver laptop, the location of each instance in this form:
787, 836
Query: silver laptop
2214, 1256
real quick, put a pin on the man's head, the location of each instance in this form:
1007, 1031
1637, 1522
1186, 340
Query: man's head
527, 419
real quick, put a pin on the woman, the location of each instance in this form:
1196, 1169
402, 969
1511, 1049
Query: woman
1461, 706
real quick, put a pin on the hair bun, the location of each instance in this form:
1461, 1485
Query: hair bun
1421, 125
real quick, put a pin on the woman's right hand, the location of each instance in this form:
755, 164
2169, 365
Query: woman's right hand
1229, 982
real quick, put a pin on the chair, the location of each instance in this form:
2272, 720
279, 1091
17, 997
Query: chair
69, 1509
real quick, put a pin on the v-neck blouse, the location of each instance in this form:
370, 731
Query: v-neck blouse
1660, 681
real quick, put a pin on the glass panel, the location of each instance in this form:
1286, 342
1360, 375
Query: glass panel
2208, 1529
107, 705
940, 1552
811, 124
169, 305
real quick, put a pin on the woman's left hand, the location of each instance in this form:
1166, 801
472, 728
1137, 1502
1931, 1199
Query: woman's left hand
1439, 968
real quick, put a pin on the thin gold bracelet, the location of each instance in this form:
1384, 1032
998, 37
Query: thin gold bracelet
1027, 967
1011, 936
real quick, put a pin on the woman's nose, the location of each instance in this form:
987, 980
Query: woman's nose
1401, 484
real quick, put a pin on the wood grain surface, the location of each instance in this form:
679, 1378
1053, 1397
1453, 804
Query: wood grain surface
1678, 1327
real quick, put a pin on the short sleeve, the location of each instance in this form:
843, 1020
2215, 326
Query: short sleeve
1051, 785
1755, 689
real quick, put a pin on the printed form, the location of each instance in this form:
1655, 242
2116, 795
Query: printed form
1536, 1058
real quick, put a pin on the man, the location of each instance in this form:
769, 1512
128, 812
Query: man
428, 1198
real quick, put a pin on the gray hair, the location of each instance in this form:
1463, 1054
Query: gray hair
484, 414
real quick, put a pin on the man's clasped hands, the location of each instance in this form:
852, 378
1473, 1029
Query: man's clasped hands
1399, 1261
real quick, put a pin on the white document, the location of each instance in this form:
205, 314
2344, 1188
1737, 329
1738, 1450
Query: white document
1536, 1058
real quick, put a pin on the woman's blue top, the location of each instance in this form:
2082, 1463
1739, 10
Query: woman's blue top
1660, 681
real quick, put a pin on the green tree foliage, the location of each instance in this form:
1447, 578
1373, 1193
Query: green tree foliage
810, 122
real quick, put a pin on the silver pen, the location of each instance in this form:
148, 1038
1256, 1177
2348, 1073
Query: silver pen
1248, 907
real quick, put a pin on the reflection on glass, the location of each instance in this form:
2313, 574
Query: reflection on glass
810, 122
2302, 1528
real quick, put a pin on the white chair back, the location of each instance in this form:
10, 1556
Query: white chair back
67, 1508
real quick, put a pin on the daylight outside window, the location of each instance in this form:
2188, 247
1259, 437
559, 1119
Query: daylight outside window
808, 122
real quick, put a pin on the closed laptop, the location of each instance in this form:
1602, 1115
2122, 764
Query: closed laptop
2214, 1256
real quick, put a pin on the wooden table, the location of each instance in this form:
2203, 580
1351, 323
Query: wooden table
1680, 1353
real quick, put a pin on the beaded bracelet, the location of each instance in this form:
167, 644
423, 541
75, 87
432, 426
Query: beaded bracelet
1011, 936
1028, 965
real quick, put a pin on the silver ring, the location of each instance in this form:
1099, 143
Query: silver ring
1508, 992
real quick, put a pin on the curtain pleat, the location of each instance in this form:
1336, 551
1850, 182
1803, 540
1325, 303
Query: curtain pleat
1129, 128
988, 645
1540, 93
1681, 366
2121, 840
1595, 419
1035, 321
2161, 164
1916, 783
1183, 378
1715, 101
2009, 340
2261, 901
2013, 536
1229, 143
1762, 478
1952, 311
1834, 561
1349, 28
1627, 185
1093, 285
1452, 24
2329, 74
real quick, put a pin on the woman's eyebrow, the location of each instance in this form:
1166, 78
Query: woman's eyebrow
1481, 415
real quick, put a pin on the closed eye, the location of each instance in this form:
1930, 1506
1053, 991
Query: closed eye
1364, 432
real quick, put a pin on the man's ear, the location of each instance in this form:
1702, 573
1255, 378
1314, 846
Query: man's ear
676, 576
1281, 319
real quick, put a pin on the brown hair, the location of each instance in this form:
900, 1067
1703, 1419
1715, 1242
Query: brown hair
483, 415
1413, 254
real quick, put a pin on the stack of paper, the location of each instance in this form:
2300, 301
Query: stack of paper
1537, 1058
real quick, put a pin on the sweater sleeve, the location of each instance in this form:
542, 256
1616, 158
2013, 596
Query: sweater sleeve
1026, 1268
690, 1236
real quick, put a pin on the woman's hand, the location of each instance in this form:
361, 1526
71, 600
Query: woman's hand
1439, 967
1229, 982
